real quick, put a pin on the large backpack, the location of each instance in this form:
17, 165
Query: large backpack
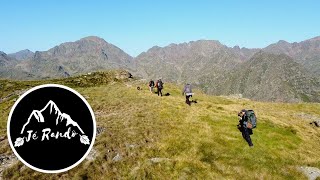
159, 84
251, 119
188, 88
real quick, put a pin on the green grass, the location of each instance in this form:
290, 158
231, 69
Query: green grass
199, 142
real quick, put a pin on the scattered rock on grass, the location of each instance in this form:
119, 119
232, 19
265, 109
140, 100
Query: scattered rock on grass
92, 155
132, 146
316, 123
6, 161
5, 158
311, 172
100, 130
159, 160
3, 138
117, 158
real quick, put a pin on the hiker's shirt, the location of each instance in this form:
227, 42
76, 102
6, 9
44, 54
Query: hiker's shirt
151, 84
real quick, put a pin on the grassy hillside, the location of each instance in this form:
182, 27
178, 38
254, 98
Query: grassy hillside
163, 138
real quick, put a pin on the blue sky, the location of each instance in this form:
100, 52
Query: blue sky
136, 26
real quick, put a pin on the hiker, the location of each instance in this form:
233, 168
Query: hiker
245, 127
151, 85
187, 90
159, 85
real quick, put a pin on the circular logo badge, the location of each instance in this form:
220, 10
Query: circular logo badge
51, 128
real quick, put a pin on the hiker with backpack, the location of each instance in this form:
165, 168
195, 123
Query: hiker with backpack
247, 122
151, 85
187, 90
159, 86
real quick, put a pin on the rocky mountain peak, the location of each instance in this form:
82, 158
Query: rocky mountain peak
3, 54
236, 48
95, 39
282, 42
22, 55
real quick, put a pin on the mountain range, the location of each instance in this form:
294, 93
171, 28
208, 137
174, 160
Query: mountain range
82, 56
285, 72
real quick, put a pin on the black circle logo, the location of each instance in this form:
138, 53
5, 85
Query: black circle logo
51, 128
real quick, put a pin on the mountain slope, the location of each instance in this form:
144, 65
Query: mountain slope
187, 62
5, 60
306, 52
22, 55
9, 69
85, 55
163, 138
269, 77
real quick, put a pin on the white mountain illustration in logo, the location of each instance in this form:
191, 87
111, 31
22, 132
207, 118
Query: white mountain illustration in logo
59, 117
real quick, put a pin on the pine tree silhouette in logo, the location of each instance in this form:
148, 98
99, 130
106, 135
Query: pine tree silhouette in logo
52, 124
